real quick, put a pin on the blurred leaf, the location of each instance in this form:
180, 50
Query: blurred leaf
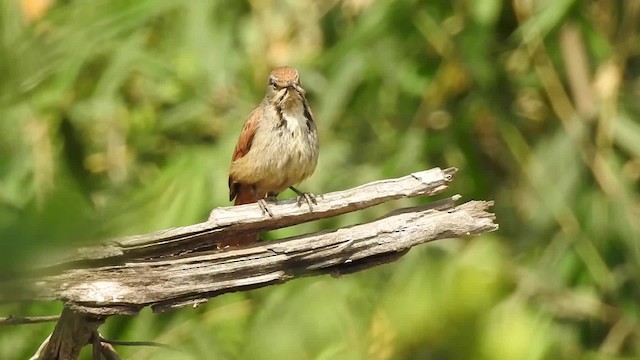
486, 12
627, 133
547, 15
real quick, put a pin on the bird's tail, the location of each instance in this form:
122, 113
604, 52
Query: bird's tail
244, 194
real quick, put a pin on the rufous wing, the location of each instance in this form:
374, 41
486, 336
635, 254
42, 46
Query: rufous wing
243, 192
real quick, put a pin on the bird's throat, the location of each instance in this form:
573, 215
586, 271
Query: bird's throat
292, 116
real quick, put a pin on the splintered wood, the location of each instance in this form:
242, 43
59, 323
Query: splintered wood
177, 267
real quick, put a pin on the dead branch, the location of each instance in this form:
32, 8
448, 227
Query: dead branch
179, 267
227, 222
73, 331
193, 278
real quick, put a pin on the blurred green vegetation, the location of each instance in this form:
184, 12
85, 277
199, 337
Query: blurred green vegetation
119, 117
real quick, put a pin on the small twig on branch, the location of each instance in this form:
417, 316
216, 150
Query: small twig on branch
108, 351
22, 320
137, 343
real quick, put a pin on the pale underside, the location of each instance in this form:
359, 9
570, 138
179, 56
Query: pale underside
282, 154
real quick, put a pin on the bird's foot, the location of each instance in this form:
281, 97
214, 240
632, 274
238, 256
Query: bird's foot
308, 198
304, 196
264, 204
265, 207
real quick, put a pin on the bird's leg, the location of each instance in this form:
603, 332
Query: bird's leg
308, 197
272, 197
262, 202
264, 207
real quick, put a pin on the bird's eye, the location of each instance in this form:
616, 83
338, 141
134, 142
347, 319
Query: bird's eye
273, 83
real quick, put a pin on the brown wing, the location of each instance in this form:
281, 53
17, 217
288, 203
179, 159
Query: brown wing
244, 145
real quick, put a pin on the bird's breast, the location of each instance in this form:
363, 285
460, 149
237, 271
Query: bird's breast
283, 153
297, 145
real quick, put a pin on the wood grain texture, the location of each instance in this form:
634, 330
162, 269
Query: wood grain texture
193, 278
73, 331
227, 222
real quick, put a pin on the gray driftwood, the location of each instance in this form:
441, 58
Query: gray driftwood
227, 222
181, 266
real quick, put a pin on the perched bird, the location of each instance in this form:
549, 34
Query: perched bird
278, 145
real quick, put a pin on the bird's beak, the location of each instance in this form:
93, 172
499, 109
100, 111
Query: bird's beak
296, 87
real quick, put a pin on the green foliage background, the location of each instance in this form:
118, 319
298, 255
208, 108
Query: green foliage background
119, 117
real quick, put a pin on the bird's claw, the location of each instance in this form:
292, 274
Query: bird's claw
265, 207
308, 198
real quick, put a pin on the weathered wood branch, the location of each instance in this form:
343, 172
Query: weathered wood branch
182, 266
73, 331
226, 222
193, 278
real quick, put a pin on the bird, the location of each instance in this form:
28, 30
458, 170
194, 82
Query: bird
277, 147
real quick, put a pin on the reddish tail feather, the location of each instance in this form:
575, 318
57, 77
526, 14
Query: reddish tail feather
244, 195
